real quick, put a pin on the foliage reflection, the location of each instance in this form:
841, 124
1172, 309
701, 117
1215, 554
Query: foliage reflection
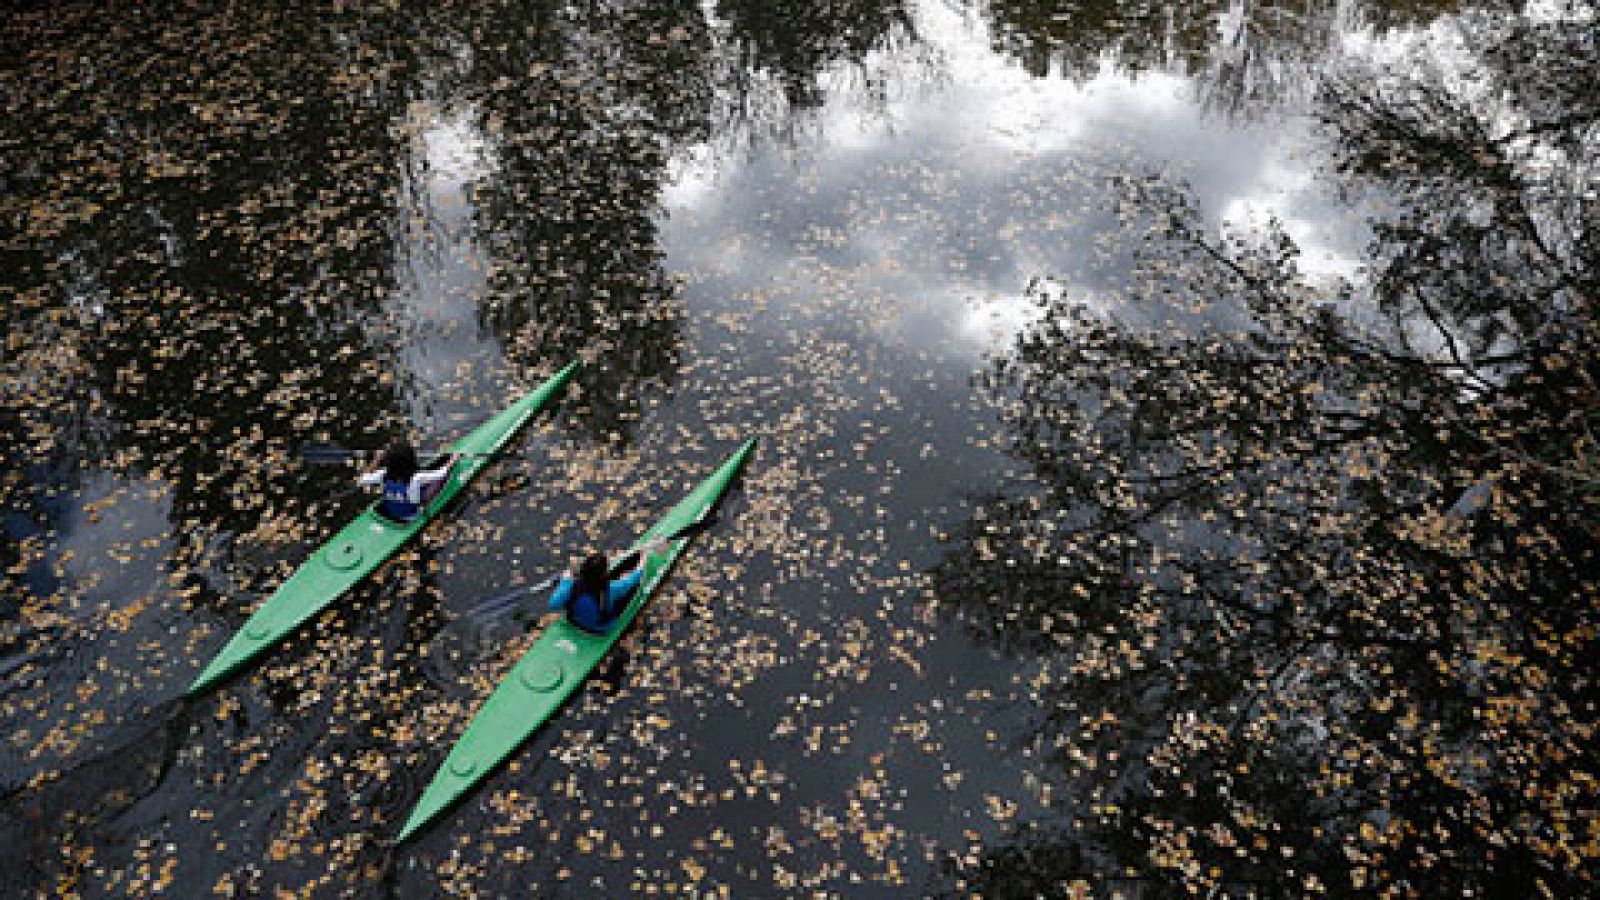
1308, 594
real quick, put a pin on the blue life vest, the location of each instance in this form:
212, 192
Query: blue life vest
397, 503
585, 611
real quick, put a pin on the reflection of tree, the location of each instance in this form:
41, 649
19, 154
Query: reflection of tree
1497, 255
1244, 55
796, 44
219, 250
1312, 592
1046, 36
202, 218
581, 110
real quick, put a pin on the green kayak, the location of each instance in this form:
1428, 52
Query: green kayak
557, 664
366, 543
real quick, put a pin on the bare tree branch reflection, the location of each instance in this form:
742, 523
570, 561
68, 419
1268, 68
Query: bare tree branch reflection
1309, 595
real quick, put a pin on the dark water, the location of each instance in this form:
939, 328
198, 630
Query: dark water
1008, 601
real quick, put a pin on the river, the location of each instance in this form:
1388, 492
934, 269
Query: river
231, 233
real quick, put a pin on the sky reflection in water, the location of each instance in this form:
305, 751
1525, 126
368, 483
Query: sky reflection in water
944, 202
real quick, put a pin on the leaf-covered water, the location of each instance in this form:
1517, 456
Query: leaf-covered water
1178, 461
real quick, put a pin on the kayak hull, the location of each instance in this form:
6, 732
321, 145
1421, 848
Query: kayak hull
368, 542
557, 664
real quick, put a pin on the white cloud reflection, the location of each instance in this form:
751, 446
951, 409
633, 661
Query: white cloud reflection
948, 198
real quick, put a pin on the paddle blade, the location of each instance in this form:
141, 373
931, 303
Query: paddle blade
500, 604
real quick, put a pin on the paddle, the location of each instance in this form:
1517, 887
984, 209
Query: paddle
497, 605
327, 454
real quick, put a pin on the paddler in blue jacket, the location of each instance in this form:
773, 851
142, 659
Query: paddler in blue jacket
406, 489
593, 596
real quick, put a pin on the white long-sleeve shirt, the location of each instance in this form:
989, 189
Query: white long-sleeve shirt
419, 482
417, 490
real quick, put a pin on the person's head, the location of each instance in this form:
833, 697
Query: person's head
593, 577
399, 461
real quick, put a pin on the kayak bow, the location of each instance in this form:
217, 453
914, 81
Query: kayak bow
557, 664
365, 544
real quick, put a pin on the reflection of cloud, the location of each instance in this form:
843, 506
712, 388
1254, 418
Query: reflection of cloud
989, 320
949, 202
454, 152
690, 182
1283, 192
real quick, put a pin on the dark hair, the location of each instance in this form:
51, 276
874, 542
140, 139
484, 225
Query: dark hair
595, 580
399, 462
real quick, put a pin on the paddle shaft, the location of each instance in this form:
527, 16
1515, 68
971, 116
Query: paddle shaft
618, 569
333, 453
631, 561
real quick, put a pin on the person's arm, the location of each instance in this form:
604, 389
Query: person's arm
635, 561
429, 477
424, 484
562, 595
373, 476
625, 585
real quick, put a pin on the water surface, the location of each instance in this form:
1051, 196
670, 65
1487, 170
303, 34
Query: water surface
233, 234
